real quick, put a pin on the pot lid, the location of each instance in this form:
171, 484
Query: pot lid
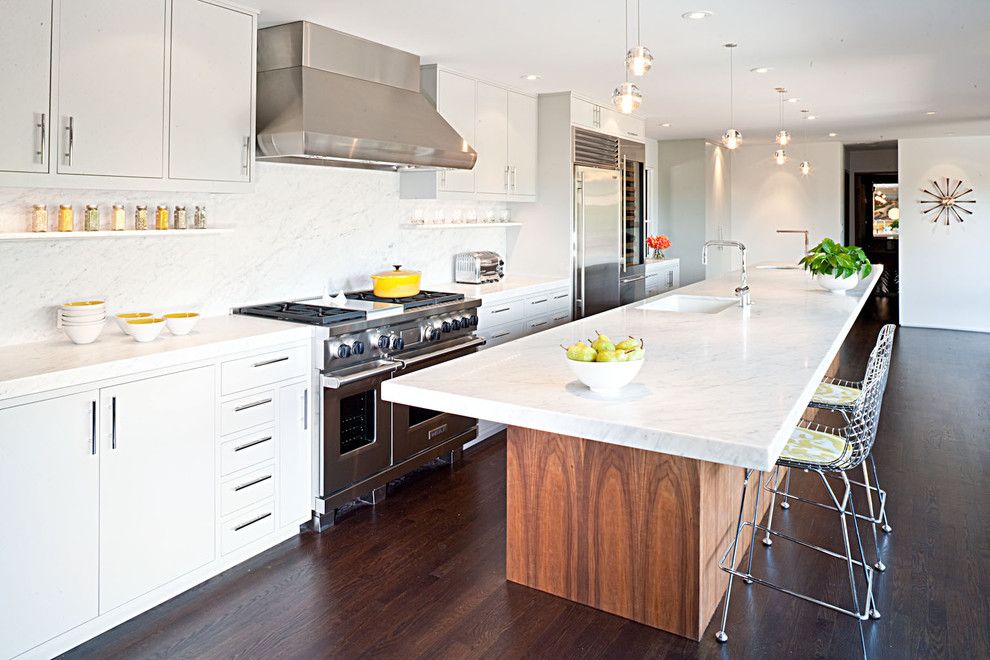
397, 272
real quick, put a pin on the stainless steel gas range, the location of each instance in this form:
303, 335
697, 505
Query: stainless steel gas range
362, 341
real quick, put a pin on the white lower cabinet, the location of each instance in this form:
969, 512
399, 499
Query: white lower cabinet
510, 318
156, 482
662, 277
295, 498
49, 504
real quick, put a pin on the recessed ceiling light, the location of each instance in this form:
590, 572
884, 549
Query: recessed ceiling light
666, 124
832, 134
793, 99
531, 76
930, 113
697, 14
761, 69
812, 117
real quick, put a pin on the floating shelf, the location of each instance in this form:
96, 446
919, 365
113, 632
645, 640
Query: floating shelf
125, 233
463, 225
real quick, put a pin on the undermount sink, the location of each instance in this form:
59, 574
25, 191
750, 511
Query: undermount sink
778, 267
690, 304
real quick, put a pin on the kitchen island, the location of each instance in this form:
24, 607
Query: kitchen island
625, 502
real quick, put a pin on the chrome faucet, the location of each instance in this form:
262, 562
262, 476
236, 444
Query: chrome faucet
797, 231
743, 289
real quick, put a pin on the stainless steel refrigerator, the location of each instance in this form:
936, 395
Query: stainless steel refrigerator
609, 223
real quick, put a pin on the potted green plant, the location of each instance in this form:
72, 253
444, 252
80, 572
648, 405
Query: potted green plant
837, 268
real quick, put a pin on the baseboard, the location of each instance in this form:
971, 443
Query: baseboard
956, 328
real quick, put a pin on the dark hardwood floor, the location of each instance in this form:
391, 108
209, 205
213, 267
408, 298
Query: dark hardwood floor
422, 575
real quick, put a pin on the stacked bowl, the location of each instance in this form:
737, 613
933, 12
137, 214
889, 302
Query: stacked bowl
82, 320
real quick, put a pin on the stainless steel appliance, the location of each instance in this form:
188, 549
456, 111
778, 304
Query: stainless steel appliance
609, 222
329, 98
362, 341
479, 267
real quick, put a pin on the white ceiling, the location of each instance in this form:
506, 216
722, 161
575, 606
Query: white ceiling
868, 69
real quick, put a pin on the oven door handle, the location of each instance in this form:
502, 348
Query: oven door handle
475, 341
336, 382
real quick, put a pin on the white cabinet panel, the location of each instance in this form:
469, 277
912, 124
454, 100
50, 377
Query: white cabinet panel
295, 501
251, 487
157, 480
210, 131
522, 147
25, 76
49, 504
456, 103
584, 113
491, 140
111, 87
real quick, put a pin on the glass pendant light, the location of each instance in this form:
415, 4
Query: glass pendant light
783, 137
626, 97
780, 156
805, 165
731, 138
639, 59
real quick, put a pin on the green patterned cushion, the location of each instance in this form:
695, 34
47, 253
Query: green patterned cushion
810, 446
835, 395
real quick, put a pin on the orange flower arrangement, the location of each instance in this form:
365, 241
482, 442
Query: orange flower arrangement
659, 242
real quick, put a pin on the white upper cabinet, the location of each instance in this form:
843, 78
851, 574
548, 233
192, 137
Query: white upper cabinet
25, 82
211, 125
522, 140
455, 100
156, 482
491, 140
49, 504
606, 120
111, 91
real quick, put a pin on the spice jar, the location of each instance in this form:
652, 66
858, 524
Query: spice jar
65, 218
141, 217
199, 217
91, 218
118, 221
39, 217
161, 217
180, 217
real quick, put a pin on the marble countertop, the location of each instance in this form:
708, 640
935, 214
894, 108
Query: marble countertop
652, 264
507, 287
47, 365
726, 387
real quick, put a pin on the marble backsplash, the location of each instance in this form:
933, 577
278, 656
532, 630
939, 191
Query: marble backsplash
302, 229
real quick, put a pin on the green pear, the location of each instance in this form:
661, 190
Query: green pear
607, 356
622, 356
580, 352
628, 344
636, 354
602, 343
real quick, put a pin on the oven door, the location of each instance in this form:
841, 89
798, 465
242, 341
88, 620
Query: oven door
417, 429
357, 425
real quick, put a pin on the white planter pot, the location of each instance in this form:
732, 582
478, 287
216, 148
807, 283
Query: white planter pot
837, 285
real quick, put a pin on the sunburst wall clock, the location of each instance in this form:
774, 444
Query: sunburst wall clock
946, 202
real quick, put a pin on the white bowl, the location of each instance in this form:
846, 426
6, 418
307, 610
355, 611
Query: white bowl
145, 329
83, 334
84, 306
124, 317
84, 321
181, 323
605, 377
837, 285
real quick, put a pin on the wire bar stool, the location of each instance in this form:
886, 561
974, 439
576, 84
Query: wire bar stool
828, 452
845, 398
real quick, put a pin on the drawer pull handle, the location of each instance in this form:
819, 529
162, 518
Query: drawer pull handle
251, 522
248, 445
562, 295
252, 405
536, 325
252, 483
560, 318
268, 362
499, 311
538, 302
501, 334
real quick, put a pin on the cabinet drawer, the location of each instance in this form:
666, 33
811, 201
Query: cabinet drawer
264, 369
560, 299
245, 412
246, 527
247, 489
501, 313
247, 450
504, 333
538, 324
560, 317
538, 305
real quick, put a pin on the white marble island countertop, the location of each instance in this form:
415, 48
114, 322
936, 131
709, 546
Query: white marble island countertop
48, 365
726, 387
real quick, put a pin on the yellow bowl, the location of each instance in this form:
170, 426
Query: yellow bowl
145, 321
182, 315
83, 303
122, 319
181, 323
146, 329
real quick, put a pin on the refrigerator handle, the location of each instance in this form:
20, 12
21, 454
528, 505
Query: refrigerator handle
622, 215
579, 199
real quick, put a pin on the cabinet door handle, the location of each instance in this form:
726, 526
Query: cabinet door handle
253, 482
248, 445
44, 132
246, 161
92, 429
443, 179
70, 129
252, 405
113, 423
268, 362
538, 302
251, 522
306, 409
507, 177
514, 172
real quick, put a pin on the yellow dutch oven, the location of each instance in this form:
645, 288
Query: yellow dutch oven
396, 283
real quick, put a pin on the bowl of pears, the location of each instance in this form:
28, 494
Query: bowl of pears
603, 365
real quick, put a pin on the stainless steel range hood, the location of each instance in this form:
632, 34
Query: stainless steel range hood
329, 98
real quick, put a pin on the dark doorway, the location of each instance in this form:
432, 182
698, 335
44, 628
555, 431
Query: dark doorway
876, 224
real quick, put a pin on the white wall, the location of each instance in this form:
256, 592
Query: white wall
944, 282
681, 183
767, 197
302, 228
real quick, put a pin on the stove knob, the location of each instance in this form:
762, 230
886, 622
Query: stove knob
397, 343
343, 351
383, 342
456, 324
465, 322
435, 334
474, 320
358, 347
446, 326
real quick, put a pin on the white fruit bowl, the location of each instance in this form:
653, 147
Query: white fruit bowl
181, 323
83, 333
605, 377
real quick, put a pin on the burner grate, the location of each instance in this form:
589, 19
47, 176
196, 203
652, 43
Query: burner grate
421, 299
302, 313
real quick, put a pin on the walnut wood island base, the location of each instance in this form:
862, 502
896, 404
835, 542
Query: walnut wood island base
628, 531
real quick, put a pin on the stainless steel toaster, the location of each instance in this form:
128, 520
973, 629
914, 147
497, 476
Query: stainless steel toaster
479, 267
